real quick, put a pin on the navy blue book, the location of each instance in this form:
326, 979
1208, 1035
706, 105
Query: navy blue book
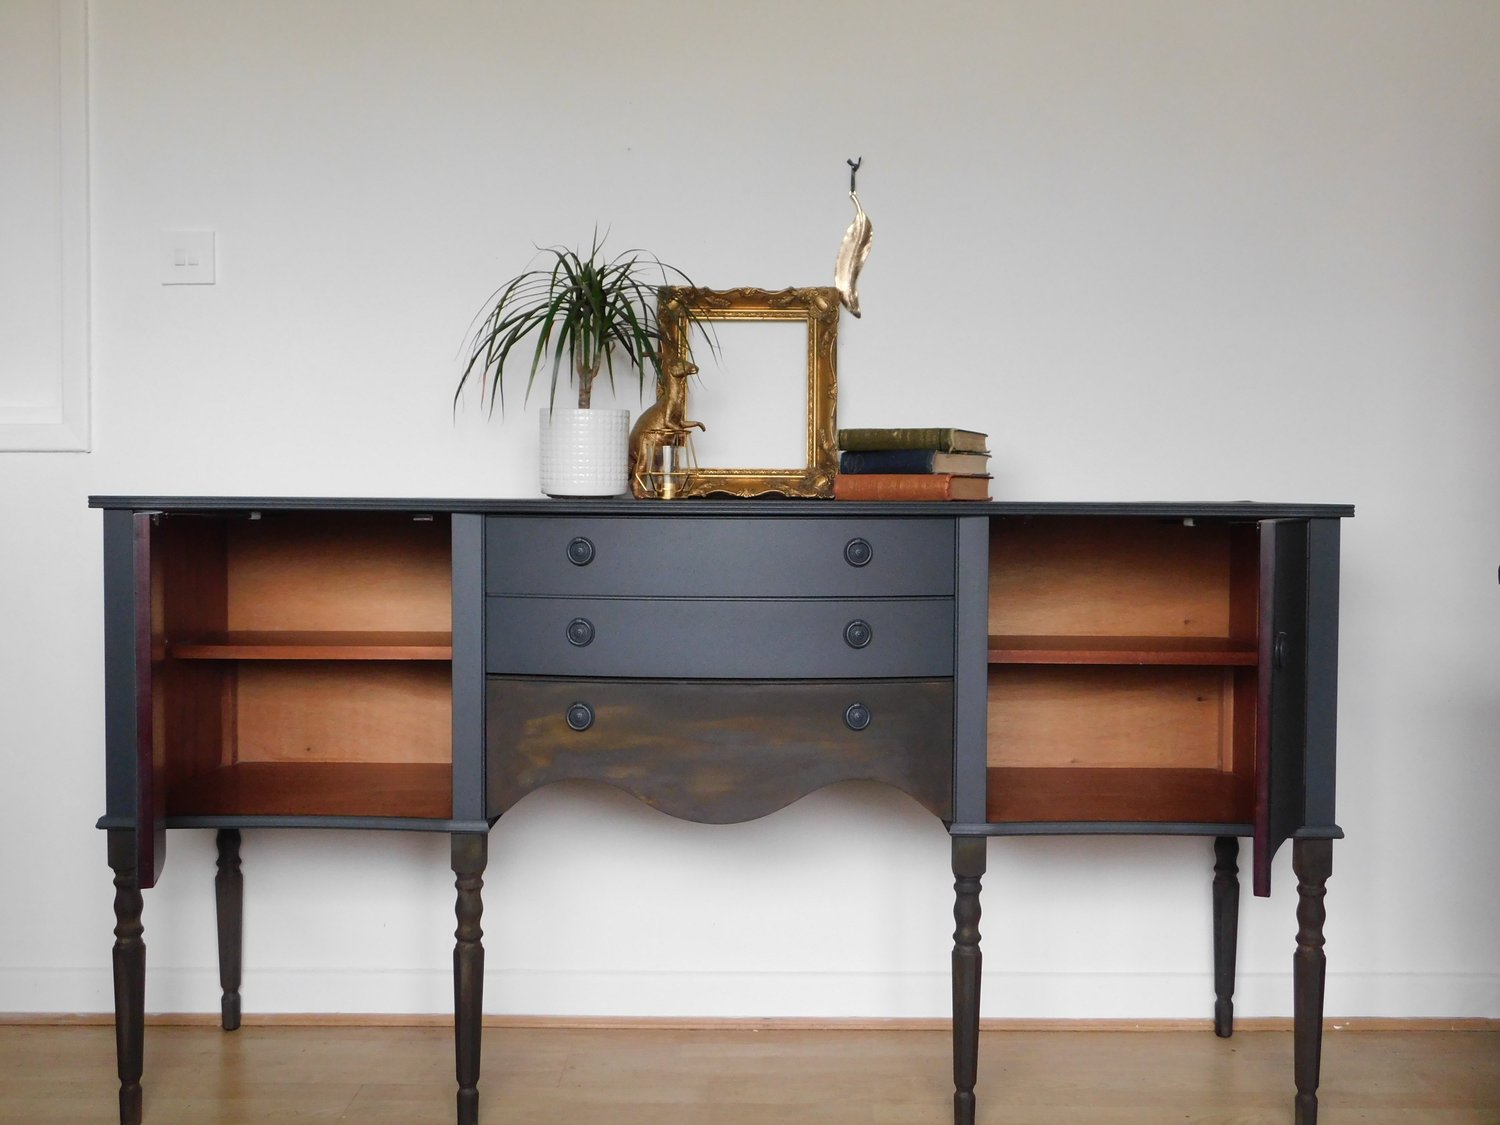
913, 461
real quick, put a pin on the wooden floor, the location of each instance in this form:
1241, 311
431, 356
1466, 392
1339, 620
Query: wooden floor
746, 1077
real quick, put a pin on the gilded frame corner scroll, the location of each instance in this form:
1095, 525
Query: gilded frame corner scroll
679, 307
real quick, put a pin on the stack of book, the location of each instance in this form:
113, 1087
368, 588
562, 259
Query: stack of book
912, 464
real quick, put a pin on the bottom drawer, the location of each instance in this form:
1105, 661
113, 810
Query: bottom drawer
719, 751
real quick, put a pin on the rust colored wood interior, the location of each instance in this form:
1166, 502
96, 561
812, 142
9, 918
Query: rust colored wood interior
1121, 650
1123, 664
361, 571
1160, 795
1059, 577
189, 594
314, 645
406, 789
296, 641
335, 711
1113, 716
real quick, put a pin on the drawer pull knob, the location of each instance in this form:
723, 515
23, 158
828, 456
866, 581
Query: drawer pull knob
580, 551
857, 634
1279, 651
580, 716
857, 716
580, 632
858, 552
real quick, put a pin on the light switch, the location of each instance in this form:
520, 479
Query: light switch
187, 257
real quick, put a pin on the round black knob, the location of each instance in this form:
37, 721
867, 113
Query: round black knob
857, 634
580, 551
580, 632
857, 716
858, 552
580, 716
1279, 651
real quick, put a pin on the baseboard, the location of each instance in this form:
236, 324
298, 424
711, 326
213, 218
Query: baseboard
674, 1023
698, 999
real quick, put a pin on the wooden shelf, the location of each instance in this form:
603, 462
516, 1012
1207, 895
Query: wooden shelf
1060, 793
405, 789
1217, 651
314, 645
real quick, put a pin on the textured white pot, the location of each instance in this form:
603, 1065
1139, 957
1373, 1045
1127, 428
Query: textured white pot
583, 452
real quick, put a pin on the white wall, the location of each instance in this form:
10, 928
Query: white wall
1161, 249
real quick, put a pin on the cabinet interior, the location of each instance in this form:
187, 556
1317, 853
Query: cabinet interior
302, 664
1122, 670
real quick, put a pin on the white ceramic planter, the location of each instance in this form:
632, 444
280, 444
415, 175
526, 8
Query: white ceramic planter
583, 452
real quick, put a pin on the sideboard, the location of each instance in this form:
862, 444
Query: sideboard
1016, 668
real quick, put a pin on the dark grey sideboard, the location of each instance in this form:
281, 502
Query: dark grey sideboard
1018, 669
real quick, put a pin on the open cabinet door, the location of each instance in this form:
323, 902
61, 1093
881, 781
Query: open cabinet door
135, 752
1281, 712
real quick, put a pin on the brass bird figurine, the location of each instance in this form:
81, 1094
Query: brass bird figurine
855, 248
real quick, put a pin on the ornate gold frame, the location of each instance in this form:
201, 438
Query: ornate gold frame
819, 307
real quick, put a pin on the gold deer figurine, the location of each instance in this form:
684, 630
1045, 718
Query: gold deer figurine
663, 425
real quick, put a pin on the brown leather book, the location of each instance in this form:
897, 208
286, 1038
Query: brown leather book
910, 486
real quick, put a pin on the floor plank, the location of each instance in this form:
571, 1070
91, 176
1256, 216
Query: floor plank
532, 1076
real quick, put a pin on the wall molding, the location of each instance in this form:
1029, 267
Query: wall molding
61, 420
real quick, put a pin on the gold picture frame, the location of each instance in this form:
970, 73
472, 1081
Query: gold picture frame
819, 308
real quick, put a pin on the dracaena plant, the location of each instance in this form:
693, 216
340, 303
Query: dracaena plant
588, 311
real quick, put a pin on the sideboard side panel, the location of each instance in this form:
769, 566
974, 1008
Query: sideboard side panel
119, 665
971, 671
1322, 672
1285, 669
468, 667
1304, 687
132, 789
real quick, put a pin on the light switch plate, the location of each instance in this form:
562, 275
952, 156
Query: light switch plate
187, 257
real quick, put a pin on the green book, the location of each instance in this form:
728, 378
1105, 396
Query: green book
940, 438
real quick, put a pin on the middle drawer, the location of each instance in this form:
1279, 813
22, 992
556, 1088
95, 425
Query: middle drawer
719, 639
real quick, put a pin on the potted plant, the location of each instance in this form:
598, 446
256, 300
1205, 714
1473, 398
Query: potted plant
590, 311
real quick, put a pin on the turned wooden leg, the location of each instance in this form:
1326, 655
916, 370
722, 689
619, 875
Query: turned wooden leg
129, 972
1312, 860
229, 902
470, 851
968, 867
1226, 930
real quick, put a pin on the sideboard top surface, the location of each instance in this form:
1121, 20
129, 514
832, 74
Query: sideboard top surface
731, 507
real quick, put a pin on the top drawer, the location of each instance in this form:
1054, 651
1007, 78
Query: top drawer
746, 557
